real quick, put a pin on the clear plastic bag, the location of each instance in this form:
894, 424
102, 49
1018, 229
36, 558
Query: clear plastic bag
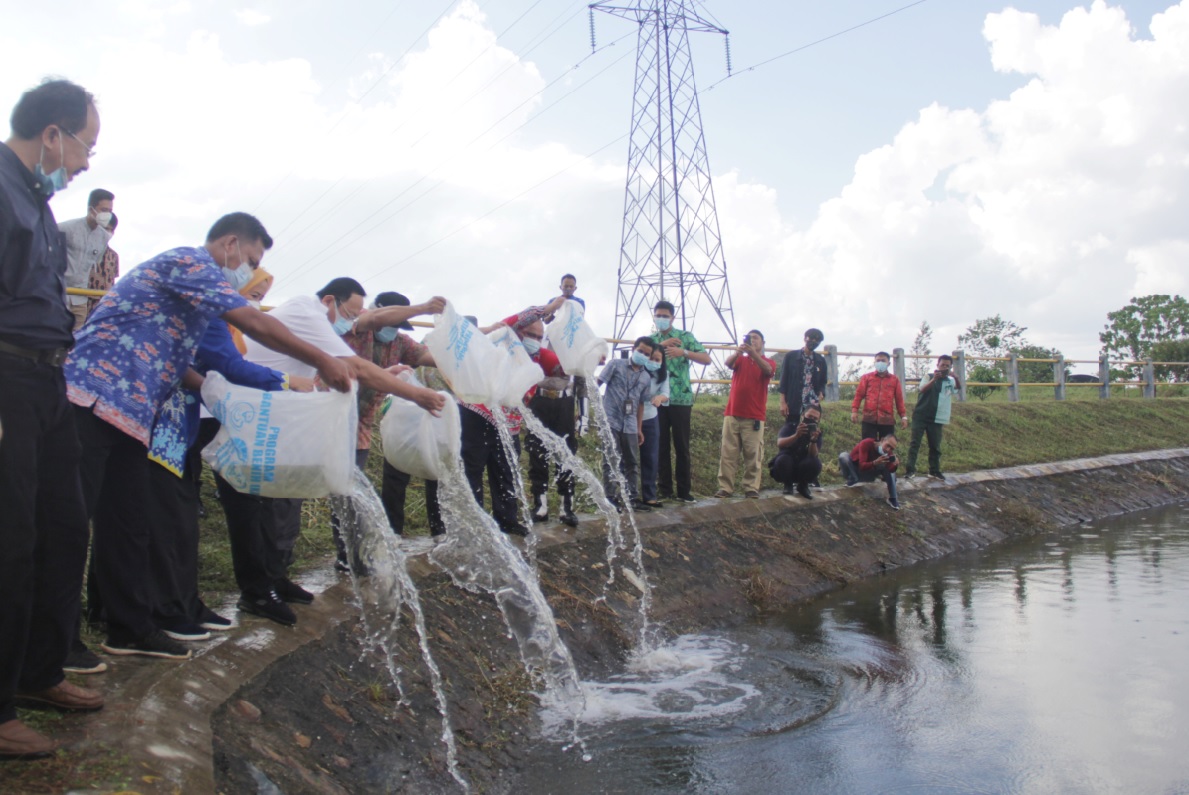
282, 444
515, 373
578, 348
494, 370
463, 355
415, 441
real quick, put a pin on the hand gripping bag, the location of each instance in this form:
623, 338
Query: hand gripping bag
515, 373
463, 355
282, 444
575, 343
415, 441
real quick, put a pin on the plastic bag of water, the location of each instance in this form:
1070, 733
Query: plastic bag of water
463, 355
282, 444
415, 441
478, 371
516, 373
575, 343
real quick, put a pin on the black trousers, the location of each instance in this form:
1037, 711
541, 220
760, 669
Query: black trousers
875, 431
116, 480
43, 528
790, 471
393, 490
259, 555
483, 452
674, 428
556, 414
933, 433
174, 500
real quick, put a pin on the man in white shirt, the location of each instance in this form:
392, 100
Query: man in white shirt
86, 243
263, 531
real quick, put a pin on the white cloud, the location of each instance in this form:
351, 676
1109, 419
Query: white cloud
1052, 206
251, 17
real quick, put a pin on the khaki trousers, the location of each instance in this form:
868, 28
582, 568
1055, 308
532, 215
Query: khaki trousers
80, 314
740, 437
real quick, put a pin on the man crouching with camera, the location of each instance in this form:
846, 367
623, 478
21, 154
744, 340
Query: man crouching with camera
797, 464
869, 460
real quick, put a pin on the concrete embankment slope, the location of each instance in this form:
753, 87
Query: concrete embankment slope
310, 711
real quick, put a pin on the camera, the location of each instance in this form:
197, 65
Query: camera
811, 428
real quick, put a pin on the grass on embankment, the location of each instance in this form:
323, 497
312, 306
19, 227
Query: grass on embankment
983, 435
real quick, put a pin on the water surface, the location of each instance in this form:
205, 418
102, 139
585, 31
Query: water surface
1052, 664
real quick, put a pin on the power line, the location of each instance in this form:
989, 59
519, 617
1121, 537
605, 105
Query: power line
359, 99
546, 33
317, 258
495, 209
795, 50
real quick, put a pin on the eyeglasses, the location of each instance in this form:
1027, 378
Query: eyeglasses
90, 151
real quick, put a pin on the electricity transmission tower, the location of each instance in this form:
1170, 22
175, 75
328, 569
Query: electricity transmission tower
671, 247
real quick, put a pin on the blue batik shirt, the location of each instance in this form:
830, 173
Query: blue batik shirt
129, 357
627, 389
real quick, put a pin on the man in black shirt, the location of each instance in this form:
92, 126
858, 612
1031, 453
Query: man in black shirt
798, 461
799, 388
43, 524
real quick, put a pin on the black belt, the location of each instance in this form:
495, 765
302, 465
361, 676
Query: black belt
554, 394
53, 357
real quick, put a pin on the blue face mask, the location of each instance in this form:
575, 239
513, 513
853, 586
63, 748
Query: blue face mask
881, 367
531, 345
239, 277
639, 359
662, 323
49, 184
652, 366
386, 334
342, 326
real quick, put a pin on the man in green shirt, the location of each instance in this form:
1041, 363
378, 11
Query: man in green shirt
681, 348
931, 415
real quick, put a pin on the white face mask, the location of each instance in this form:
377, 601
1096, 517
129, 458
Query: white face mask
254, 304
103, 219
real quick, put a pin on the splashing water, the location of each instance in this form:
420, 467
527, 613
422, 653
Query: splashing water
611, 452
480, 558
569, 461
691, 678
519, 493
381, 594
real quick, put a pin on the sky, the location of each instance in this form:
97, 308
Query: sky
952, 161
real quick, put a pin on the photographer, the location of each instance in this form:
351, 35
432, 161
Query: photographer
743, 420
932, 413
797, 462
871, 459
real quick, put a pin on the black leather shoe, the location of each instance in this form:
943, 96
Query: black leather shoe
803, 490
569, 518
516, 529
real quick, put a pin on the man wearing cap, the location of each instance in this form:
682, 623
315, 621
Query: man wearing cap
376, 336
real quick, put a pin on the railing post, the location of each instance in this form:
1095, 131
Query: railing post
831, 373
960, 371
898, 369
1013, 377
1104, 377
1059, 378
1149, 379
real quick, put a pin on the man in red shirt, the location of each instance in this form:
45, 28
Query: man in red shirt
743, 420
881, 399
